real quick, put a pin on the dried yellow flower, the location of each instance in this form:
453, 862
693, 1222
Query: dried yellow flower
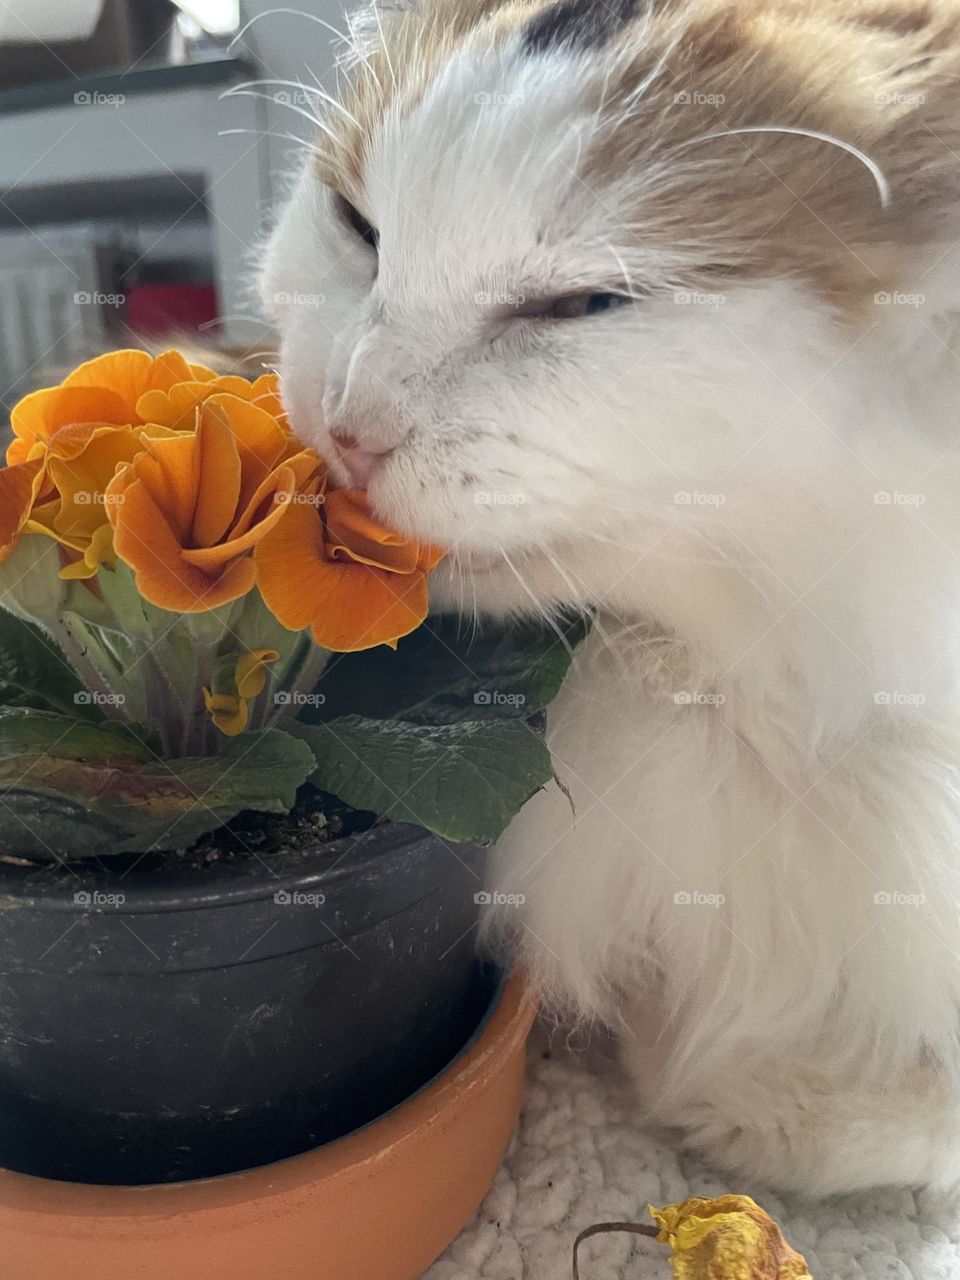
729, 1238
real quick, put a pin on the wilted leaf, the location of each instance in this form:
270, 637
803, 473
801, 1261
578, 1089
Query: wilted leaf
70, 789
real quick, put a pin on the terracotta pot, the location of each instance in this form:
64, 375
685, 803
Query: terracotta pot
379, 1204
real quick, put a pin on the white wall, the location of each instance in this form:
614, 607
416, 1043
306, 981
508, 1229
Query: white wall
290, 46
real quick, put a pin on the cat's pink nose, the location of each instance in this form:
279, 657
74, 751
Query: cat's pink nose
359, 461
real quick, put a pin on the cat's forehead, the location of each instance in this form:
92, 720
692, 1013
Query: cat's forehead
697, 127
491, 155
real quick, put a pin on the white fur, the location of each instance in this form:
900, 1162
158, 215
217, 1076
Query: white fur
766, 716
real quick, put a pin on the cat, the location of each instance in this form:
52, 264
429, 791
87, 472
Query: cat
654, 309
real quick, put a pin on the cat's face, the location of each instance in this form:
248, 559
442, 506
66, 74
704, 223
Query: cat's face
550, 294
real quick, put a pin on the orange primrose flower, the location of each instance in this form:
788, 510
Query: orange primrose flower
67, 437
328, 565
189, 507
197, 483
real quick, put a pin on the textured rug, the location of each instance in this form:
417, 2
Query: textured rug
582, 1155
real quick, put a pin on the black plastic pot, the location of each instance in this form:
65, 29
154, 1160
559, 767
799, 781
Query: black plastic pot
154, 1029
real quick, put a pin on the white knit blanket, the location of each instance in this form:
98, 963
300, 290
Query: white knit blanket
582, 1155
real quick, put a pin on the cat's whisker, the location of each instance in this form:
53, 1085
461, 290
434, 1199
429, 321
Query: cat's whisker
304, 143
314, 120
309, 91
295, 13
876, 173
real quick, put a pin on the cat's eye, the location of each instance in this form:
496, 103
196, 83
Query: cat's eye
573, 305
586, 304
355, 220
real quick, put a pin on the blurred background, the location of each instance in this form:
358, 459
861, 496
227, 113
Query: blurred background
139, 168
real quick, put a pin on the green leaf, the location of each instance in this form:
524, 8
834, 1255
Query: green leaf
464, 781
34, 672
440, 674
71, 789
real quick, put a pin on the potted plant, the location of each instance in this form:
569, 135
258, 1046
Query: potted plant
244, 792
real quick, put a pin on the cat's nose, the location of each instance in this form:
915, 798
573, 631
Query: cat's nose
359, 459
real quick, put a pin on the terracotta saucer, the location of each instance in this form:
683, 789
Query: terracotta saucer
379, 1204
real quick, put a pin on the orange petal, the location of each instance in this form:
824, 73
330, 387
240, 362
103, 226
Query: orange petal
167, 468
99, 551
19, 487
177, 407
261, 441
217, 479
352, 532
299, 482
229, 713
265, 394
144, 538
82, 481
251, 672
358, 607
40, 416
281, 485
131, 373
347, 606
286, 558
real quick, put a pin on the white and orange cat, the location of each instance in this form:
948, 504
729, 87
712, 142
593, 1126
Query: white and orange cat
655, 308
